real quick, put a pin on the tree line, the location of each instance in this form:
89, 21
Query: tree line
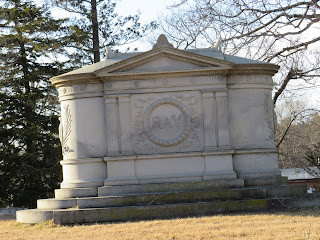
34, 46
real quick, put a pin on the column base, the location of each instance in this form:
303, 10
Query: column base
83, 172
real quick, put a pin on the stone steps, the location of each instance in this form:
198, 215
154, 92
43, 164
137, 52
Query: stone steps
156, 198
170, 187
265, 181
64, 193
285, 190
161, 200
110, 214
152, 198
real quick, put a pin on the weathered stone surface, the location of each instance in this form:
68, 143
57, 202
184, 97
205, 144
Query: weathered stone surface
152, 199
34, 216
164, 211
168, 121
75, 192
286, 190
170, 187
167, 101
265, 181
205, 197
306, 201
93, 215
52, 203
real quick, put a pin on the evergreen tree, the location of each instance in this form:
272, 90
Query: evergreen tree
95, 25
29, 147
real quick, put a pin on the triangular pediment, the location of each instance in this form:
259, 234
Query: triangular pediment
164, 62
164, 59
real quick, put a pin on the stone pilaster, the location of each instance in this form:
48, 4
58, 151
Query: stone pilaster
125, 124
112, 123
223, 120
209, 109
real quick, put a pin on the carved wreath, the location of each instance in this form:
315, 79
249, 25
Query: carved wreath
182, 136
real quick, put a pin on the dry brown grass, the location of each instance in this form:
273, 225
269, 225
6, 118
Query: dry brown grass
293, 225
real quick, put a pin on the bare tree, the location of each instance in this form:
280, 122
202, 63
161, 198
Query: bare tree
285, 32
298, 131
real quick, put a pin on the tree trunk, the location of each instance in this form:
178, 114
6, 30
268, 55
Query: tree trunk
95, 29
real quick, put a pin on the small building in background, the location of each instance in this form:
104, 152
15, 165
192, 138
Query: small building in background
307, 176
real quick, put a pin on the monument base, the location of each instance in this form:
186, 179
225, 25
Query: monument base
83, 172
158, 201
170, 167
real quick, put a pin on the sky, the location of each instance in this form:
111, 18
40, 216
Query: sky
150, 10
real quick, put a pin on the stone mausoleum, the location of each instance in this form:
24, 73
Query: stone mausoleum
143, 123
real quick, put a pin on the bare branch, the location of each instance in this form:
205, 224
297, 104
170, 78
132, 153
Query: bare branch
295, 115
289, 76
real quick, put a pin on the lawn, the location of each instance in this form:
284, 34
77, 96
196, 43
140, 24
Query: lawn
282, 225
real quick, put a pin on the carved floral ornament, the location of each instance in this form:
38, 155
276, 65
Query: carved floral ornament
65, 130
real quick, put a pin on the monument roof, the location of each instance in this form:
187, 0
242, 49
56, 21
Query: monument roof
203, 59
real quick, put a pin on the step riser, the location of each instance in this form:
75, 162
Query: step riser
47, 204
284, 191
64, 193
170, 187
152, 199
33, 216
174, 200
267, 181
164, 211
74, 216
311, 200
171, 198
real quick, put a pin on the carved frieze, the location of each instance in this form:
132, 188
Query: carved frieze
169, 122
216, 80
249, 79
78, 89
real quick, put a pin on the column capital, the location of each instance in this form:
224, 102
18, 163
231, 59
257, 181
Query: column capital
221, 93
108, 99
124, 98
207, 94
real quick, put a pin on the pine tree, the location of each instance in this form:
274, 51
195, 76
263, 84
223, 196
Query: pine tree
95, 25
30, 151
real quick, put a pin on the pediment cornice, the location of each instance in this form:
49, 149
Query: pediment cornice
125, 69
172, 53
